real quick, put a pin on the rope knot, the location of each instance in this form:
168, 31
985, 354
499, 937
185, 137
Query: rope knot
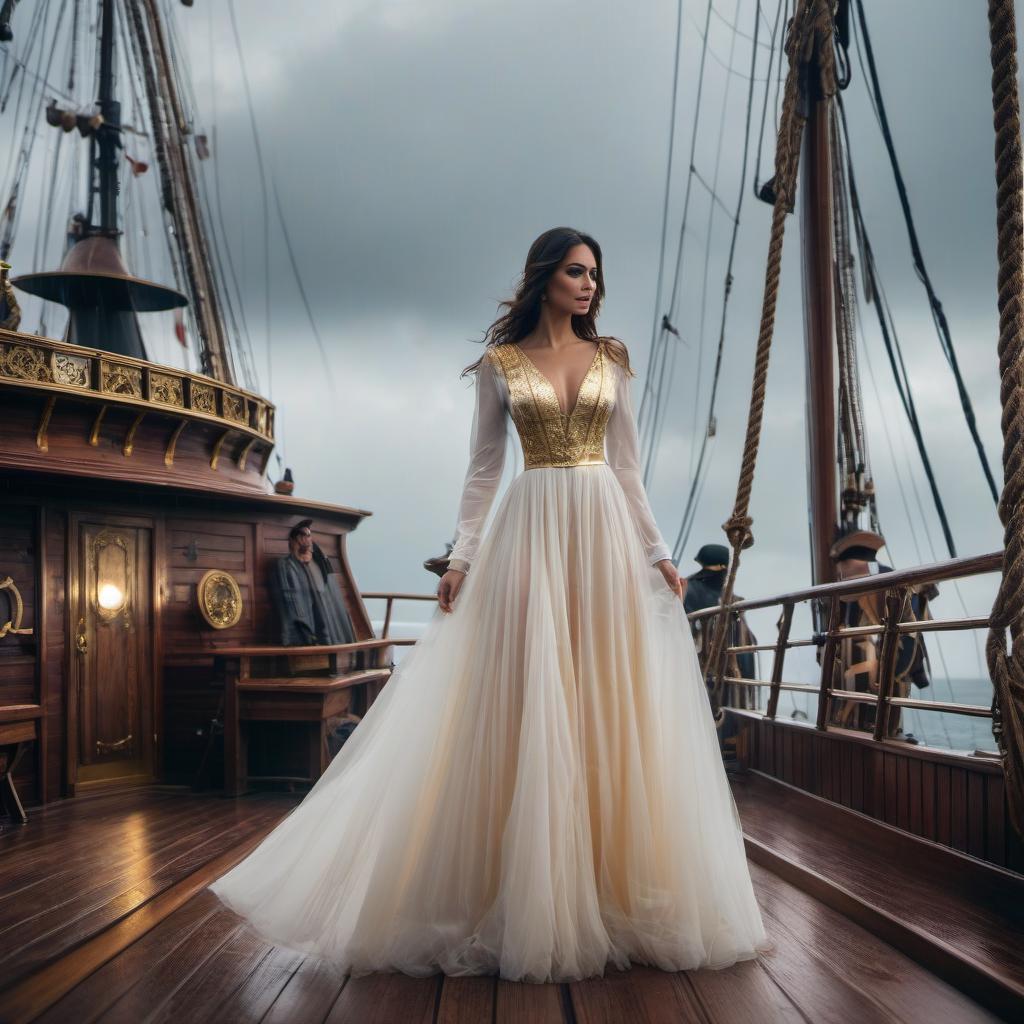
737, 529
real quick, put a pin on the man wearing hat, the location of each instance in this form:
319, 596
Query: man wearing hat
308, 594
855, 554
704, 590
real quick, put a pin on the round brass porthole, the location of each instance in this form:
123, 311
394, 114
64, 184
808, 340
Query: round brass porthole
219, 599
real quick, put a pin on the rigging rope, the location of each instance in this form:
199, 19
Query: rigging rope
764, 106
809, 42
938, 313
699, 474
890, 338
857, 486
264, 193
656, 357
665, 201
1006, 667
708, 234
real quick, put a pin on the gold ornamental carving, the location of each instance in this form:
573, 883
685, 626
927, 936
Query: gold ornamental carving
119, 379
70, 370
204, 398
234, 408
219, 599
59, 368
166, 390
25, 363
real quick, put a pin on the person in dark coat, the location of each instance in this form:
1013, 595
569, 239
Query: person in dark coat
308, 594
704, 590
854, 554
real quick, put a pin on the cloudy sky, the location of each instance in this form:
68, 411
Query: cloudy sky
419, 147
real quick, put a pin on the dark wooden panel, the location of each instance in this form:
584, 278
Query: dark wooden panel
948, 798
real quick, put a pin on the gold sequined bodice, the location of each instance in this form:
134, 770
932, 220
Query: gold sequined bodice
550, 437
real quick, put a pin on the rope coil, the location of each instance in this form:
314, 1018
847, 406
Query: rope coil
1006, 666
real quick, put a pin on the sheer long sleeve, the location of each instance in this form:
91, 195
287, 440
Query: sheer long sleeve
486, 460
622, 449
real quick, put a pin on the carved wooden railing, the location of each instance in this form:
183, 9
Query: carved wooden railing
73, 371
896, 588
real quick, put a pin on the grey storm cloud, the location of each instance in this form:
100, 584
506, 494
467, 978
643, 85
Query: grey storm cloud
418, 148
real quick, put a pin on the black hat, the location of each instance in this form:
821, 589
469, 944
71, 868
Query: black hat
713, 556
295, 530
861, 544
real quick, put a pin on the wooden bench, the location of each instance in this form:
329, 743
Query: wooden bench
315, 700
342, 688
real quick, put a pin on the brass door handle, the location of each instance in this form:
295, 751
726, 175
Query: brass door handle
82, 639
102, 747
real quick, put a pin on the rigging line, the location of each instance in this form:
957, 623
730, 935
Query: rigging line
32, 133
138, 190
263, 192
230, 302
780, 74
654, 434
923, 521
726, 66
709, 232
938, 314
31, 36
216, 203
657, 336
76, 18
35, 35
659, 340
302, 291
910, 518
890, 336
767, 90
715, 197
26, 70
697, 479
668, 189
743, 35
43, 231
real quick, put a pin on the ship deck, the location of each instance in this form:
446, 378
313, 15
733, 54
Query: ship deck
106, 916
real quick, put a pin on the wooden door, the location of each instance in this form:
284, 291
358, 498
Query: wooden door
111, 719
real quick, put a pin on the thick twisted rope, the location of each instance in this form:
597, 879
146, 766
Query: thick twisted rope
809, 44
1006, 667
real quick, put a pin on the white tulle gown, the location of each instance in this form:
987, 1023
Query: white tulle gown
538, 790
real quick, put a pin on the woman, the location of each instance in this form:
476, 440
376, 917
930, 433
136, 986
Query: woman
538, 790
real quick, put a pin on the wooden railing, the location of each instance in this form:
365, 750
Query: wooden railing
896, 588
391, 598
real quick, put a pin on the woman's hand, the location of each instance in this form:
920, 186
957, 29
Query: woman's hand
675, 582
448, 588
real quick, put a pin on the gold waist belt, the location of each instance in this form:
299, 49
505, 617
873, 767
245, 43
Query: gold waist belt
586, 461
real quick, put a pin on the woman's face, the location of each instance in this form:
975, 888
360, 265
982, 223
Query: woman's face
573, 285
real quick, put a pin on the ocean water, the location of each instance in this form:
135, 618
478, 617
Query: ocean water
932, 728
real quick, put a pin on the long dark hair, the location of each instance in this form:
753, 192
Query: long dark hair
523, 309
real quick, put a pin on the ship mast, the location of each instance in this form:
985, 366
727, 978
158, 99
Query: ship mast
819, 327
93, 281
178, 186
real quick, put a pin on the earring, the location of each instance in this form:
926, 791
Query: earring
543, 298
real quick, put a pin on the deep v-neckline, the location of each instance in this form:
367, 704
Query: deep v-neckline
566, 416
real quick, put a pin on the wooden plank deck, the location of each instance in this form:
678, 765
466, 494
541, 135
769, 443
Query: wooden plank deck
201, 963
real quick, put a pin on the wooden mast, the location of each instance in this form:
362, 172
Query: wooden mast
180, 193
819, 330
